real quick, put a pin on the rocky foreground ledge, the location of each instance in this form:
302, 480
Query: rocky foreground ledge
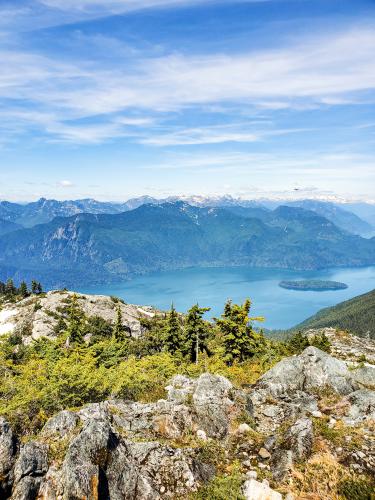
168, 449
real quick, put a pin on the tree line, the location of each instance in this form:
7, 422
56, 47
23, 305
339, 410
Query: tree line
183, 335
9, 290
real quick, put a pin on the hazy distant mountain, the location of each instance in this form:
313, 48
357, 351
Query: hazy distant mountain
43, 210
7, 226
103, 248
339, 216
366, 211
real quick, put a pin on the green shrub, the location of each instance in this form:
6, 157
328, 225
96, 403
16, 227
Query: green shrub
357, 489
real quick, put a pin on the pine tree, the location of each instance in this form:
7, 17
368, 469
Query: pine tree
196, 332
173, 335
241, 341
119, 331
34, 287
10, 289
76, 322
298, 343
23, 291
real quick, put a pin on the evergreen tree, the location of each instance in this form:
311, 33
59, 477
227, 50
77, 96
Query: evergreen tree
23, 291
119, 332
241, 341
196, 332
39, 288
34, 287
321, 342
298, 343
173, 335
75, 322
10, 289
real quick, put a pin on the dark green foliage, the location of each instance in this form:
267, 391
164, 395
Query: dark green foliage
36, 287
119, 331
241, 341
313, 285
23, 291
321, 342
9, 291
356, 315
298, 343
173, 334
76, 322
98, 328
357, 489
196, 332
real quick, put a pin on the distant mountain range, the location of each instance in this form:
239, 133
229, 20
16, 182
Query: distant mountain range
358, 218
103, 248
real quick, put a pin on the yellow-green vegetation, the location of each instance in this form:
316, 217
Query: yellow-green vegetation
223, 487
91, 360
323, 477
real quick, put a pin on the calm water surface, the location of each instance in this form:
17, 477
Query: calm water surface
211, 287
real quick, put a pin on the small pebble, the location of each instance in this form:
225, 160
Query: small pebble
263, 453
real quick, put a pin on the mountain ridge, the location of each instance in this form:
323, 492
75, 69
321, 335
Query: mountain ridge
101, 248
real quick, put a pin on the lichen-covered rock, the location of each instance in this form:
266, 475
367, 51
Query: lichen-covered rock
8, 448
61, 424
365, 376
30, 467
212, 399
362, 405
299, 438
212, 403
311, 370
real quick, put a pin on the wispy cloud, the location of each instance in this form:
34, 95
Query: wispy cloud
65, 184
215, 135
319, 71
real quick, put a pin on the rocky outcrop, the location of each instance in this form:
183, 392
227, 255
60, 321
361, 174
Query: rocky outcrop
141, 451
8, 448
37, 317
345, 345
120, 450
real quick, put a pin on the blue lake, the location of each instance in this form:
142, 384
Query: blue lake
211, 287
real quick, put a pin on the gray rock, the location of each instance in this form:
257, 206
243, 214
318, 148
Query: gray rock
8, 449
61, 424
86, 457
311, 370
212, 404
299, 438
362, 405
211, 399
30, 467
281, 464
365, 376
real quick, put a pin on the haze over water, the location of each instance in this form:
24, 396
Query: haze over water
211, 287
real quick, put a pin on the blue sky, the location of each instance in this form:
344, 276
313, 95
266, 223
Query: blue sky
118, 98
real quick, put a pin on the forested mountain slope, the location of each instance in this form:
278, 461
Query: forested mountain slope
356, 315
104, 248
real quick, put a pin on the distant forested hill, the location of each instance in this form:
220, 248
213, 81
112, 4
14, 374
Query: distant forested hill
356, 315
